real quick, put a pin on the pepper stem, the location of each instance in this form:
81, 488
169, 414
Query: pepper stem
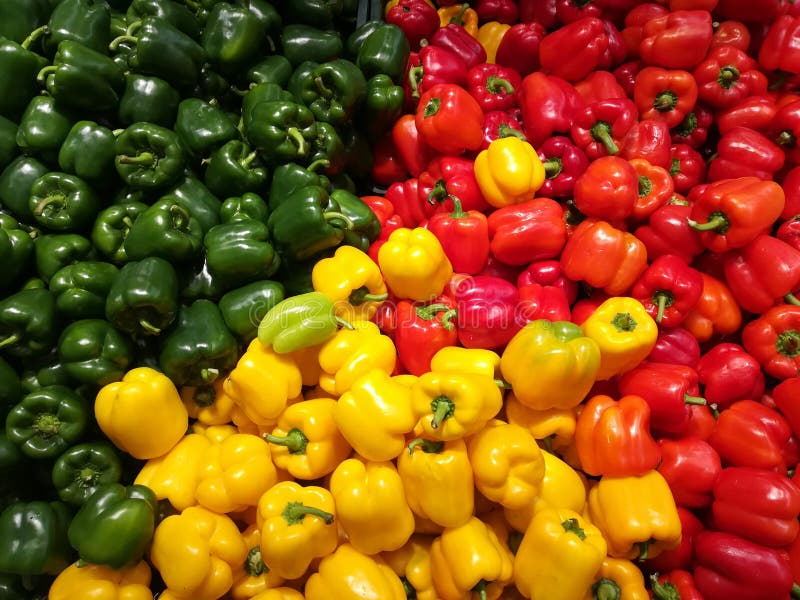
362, 294
443, 408
204, 396
459, 18
573, 526
329, 216
323, 90
145, 158
295, 512
254, 564
35, 35
122, 39
785, 139
623, 322
209, 374
320, 162
148, 327
46, 424
601, 132
428, 446
432, 107
728, 75
411, 593
788, 343
644, 550
447, 319
718, 222
9, 340
552, 167
427, 313
662, 300
663, 591
415, 75
606, 589
302, 145
179, 217
245, 162
496, 85
480, 589
42, 75
87, 475
295, 441
791, 299
344, 324
795, 593
665, 101
696, 400
505, 130
645, 186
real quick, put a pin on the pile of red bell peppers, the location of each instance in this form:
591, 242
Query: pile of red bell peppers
668, 134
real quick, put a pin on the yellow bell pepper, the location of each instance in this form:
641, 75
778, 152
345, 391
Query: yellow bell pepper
452, 405
558, 556
414, 264
371, 505
209, 404
307, 360
279, 593
470, 559
196, 553
554, 427
550, 364
253, 577
352, 353
460, 14
348, 574
490, 34
352, 280
375, 415
438, 481
467, 360
496, 520
624, 332
637, 515
412, 563
508, 171
306, 442
619, 579
100, 582
143, 414
507, 464
297, 526
175, 475
262, 382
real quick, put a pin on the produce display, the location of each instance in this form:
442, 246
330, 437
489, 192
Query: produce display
330, 299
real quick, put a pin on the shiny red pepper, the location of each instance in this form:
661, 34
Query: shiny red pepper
487, 312
538, 11
448, 176
688, 168
600, 127
755, 112
405, 198
682, 555
607, 190
668, 288
456, 39
616, 51
655, 188
418, 20
786, 396
731, 33
690, 466
716, 313
785, 130
464, 236
549, 105
749, 434
791, 188
693, 129
528, 231
519, 48
574, 50
744, 152
503, 11
497, 124
449, 120
569, 11
626, 73
564, 163
676, 346
678, 40
422, 330
436, 65
755, 11
599, 85
729, 374
634, 25
667, 232
494, 86
666, 95
727, 76
545, 293
414, 153
648, 139
674, 585
774, 340
780, 50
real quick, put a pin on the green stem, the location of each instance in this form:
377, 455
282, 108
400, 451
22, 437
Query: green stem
573, 526
606, 589
623, 322
323, 90
601, 132
443, 408
204, 396
320, 162
728, 75
122, 39
247, 160
411, 593
438, 192
179, 217
645, 186
458, 209
295, 441
329, 216
145, 158
495, 85
295, 512
696, 400
209, 374
342, 323
785, 139
715, 223
298, 139
791, 299
427, 313
505, 130
447, 319
662, 300
480, 589
46, 424
42, 75
665, 101
35, 35
414, 79
788, 343
149, 327
362, 294
795, 593
9, 340
663, 591
644, 550
254, 564
552, 167
428, 446
459, 18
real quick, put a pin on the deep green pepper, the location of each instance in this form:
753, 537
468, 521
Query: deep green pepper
305, 42
327, 146
270, 18
112, 226
305, 224
358, 157
385, 51
238, 253
19, 17
16, 181
149, 99
356, 39
10, 387
383, 105
15, 587
83, 78
298, 322
81, 289
33, 538
27, 322
166, 230
203, 127
175, 13
43, 371
232, 37
79, 471
63, 202
94, 352
18, 70
343, 181
16, 250
275, 68
88, 151
334, 91
84, 21
47, 421
281, 131
57, 250
235, 169
8, 141
299, 77
199, 348
199, 283
258, 94
290, 177
213, 87
143, 300
115, 525
149, 156
243, 208
193, 195
320, 13
43, 127
365, 225
244, 307
11, 458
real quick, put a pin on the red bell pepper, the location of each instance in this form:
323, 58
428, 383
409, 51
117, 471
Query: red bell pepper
574, 50
387, 166
786, 396
612, 438
497, 124
635, 19
599, 128
693, 129
503, 11
549, 105
436, 65
616, 51
664, 95
418, 20
648, 139
528, 231
385, 316
449, 120
405, 198
464, 237
676, 346
668, 289
626, 73
569, 11
716, 312
607, 190
674, 585
667, 232
655, 188
731, 213
538, 11
789, 232
414, 153
755, 112
519, 48
495, 268
422, 330
755, 11
688, 168
749, 434
494, 86
599, 85
448, 176
757, 504
682, 555
791, 188
785, 130
678, 40
702, 423
456, 39
690, 466
487, 312
729, 374
563, 163
384, 211
545, 293
780, 50
731, 33
744, 152
774, 340
727, 76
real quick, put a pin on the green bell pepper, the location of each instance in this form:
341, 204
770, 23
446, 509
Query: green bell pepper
244, 208
10, 387
63, 202
11, 458
57, 250
112, 226
93, 352
44, 371
19, 17
27, 322
320, 13
234, 170
383, 105
203, 127
16, 250
48, 421
115, 525
281, 131
194, 196
148, 99
384, 51
16, 587
275, 68
88, 151
85, 21
198, 283
175, 13
199, 348
290, 177
16, 182
268, 16
238, 253
243, 308
334, 91
166, 230
232, 37
149, 156
18, 70
327, 145
298, 78
358, 158
80, 289
357, 37
258, 94
43, 127
298, 322
79, 471
301, 42
143, 300
33, 538
8, 141
365, 225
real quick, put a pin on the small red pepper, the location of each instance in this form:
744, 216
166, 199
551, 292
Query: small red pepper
668, 289
749, 434
487, 308
786, 396
405, 198
422, 330
688, 168
528, 231
498, 124
667, 232
731, 33
607, 190
655, 188
456, 39
785, 130
727, 76
729, 374
690, 466
436, 65
635, 20
599, 85
648, 139
563, 163
676, 346
779, 50
716, 312
494, 86
569, 11
599, 128
503, 11
774, 340
418, 20
519, 48
464, 236
674, 585
449, 120
682, 555
755, 112
549, 105
664, 94
414, 153
678, 40
693, 129
744, 152
545, 293
448, 176
574, 50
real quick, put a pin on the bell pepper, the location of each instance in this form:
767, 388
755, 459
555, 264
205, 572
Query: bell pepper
17, 249
88, 151
383, 105
464, 236
755, 112
690, 466
599, 85
336, 574
143, 414
232, 169
655, 189
679, 557
688, 168
519, 46
149, 156
62, 202
298, 322
303, 42
665, 95
449, 119
772, 339
555, 427
725, 220
743, 152
232, 37
166, 230
545, 292
727, 76
487, 311
466, 360
785, 127
676, 582
414, 265
549, 106
34, 538
93, 352
412, 563
509, 171
179, 15
27, 321
281, 130
527, 231
493, 86
81, 288
619, 577
20, 65
599, 128
500, 123
457, 38
148, 99
43, 126
412, 148
333, 91
416, 18
238, 253
717, 312
563, 163
667, 232
585, 40
676, 346
555, 537
422, 330
668, 289
608, 189
431, 66
693, 129
111, 228
208, 404
254, 578
678, 40
243, 308
783, 395
777, 51
132, 582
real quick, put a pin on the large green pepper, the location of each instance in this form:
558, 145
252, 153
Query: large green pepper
383, 105
16, 182
274, 68
10, 387
281, 131
298, 78
16, 250
149, 156
11, 457
143, 300
358, 158
174, 13
8, 141
244, 208
148, 99
200, 348
334, 91
43, 127
239, 252
320, 13
194, 196
43, 371
78, 472
327, 145
33, 538
298, 322
93, 352
27, 322
358, 36
16, 587
270, 18
305, 42
166, 230
244, 307
19, 17
115, 525
234, 170
48, 421
85, 21
57, 250
258, 94
384, 51
63, 202
203, 127
80, 289
18, 70
198, 283
365, 225
290, 177
232, 37
111, 227
88, 151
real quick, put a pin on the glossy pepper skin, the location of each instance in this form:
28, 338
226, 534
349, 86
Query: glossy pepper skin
549, 106
772, 339
777, 52
43, 127
111, 228
132, 582
745, 152
81, 288
240, 252
298, 322
414, 265
34, 538
449, 120
678, 40
149, 156
587, 40
715, 312
422, 330
16, 180
727, 76
664, 95
486, 306
607, 190
62, 202
352, 281
691, 466
88, 151
347, 572
750, 424
78, 472
412, 562
509, 171
668, 289
93, 352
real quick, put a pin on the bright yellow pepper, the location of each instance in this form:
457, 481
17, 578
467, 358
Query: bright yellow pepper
279, 593
452, 405
175, 475
508, 171
348, 574
619, 579
297, 526
412, 562
414, 264
307, 360
467, 360
371, 505
637, 515
460, 14
196, 553
490, 34
438, 481
209, 404
99, 582
550, 364
263, 382
624, 332
495, 518
470, 559
554, 427
558, 556
375, 415
352, 353
507, 464
143, 414
352, 280
253, 577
